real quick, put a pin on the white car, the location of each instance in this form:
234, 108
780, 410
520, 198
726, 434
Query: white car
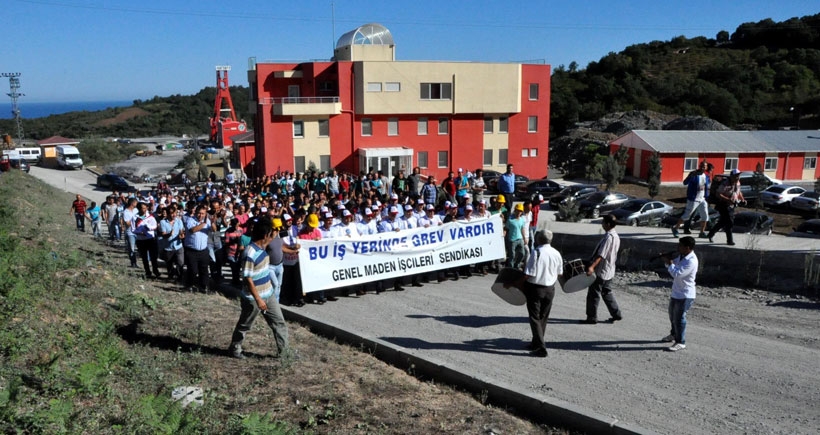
808, 201
780, 194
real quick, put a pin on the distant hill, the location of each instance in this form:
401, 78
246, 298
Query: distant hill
765, 75
176, 115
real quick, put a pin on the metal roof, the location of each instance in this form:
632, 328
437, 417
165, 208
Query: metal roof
696, 141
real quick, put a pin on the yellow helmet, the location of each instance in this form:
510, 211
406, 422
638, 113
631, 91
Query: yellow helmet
313, 221
501, 199
277, 223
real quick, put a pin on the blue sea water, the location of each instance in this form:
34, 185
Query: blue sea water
40, 110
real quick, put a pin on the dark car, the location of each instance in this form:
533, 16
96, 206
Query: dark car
752, 222
112, 182
641, 212
808, 201
543, 187
676, 214
492, 184
601, 203
571, 193
810, 228
20, 164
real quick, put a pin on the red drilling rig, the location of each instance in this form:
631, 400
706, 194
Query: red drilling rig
224, 124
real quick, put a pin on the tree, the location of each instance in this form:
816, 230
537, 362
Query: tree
722, 37
614, 168
655, 169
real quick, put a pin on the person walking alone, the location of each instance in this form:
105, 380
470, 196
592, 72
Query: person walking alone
729, 196
684, 270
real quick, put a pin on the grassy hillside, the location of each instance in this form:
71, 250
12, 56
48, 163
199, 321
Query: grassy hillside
89, 346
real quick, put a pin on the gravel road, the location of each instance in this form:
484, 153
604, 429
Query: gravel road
751, 363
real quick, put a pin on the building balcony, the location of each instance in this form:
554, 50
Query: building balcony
300, 106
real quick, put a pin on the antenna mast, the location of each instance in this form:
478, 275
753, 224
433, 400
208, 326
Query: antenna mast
14, 86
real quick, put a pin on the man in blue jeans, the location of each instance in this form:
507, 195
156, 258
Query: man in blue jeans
684, 270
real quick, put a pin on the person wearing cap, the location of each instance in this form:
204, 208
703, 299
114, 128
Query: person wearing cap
346, 228
367, 225
697, 195
310, 231
392, 224
418, 208
430, 218
498, 205
728, 196
429, 192
514, 228
326, 228
258, 293
603, 267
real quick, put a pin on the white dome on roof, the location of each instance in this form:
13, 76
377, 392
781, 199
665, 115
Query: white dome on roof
368, 34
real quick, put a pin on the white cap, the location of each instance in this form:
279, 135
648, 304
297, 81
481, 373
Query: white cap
263, 209
378, 203
374, 207
431, 207
460, 170
467, 195
446, 204
540, 197
286, 217
323, 209
483, 201
394, 210
408, 207
394, 196
367, 212
340, 207
420, 201
346, 213
328, 215
468, 207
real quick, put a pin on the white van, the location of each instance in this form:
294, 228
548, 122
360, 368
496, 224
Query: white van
68, 157
30, 154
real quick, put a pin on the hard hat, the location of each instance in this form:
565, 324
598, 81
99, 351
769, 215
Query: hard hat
313, 221
519, 207
277, 223
501, 199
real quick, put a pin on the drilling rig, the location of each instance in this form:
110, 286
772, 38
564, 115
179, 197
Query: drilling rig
14, 86
224, 124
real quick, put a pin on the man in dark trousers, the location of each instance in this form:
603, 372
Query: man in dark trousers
603, 266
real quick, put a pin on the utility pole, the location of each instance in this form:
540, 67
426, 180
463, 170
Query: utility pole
14, 85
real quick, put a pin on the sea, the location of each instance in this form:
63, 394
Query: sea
41, 110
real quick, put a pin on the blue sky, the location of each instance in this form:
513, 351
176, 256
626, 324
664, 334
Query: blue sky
90, 50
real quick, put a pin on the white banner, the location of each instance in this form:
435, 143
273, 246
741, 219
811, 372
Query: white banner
342, 262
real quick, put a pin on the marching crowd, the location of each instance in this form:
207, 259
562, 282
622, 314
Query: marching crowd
255, 226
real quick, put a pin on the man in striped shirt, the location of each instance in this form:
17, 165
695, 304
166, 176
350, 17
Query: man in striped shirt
258, 292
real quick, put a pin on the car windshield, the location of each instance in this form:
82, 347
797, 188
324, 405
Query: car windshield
597, 197
815, 195
633, 206
776, 189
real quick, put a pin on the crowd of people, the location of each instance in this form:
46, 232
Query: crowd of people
254, 228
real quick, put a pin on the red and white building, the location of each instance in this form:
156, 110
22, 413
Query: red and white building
363, 109
789, 155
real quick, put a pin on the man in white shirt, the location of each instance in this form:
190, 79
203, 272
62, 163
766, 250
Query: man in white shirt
684, 270
543, 268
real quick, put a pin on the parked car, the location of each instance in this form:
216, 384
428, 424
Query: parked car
571, 193
675, 215
780, 195
492, 184
543, 187
807, 201
601, 203
20, 163
809, 228
641, 212
753, 222
112, 182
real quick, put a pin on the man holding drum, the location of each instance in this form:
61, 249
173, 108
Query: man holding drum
543, 269
603, 266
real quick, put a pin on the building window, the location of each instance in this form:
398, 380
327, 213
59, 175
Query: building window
324, 127
374, 86
443, 126
422, 159
810, 163
770, 164
502, 157
488, 157
327, 87
730, 163
502, 124
532, 124
393, 126
392, 87
367, 127
442, 159
422, 130
298, 129
488, 125
299, 163
533, 152
690, 164
324, 162
525, 152
436, 91
533, 91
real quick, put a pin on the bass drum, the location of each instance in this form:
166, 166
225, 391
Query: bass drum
575, 276
511, 295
